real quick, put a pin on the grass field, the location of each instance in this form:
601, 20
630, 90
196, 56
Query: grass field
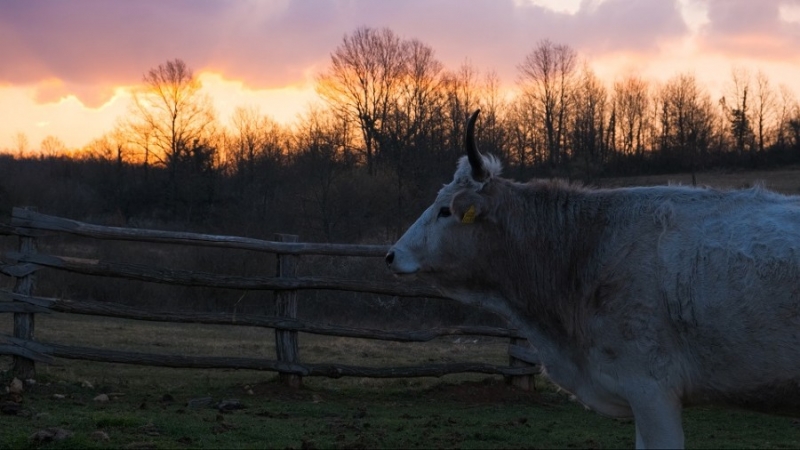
151, 407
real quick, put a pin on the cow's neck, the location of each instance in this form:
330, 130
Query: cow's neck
552, 242
540, 269
552, 239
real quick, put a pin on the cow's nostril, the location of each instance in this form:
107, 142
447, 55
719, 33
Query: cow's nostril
389, 258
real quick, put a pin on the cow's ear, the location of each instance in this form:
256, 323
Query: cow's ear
468, 206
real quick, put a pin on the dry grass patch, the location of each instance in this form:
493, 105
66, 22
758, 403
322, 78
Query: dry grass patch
786, 181
239, 341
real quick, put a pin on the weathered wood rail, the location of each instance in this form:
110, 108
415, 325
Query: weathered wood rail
24, 264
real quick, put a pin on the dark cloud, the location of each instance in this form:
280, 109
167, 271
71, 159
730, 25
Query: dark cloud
629, 25
497, 34
742, 16
93, 45
750, 28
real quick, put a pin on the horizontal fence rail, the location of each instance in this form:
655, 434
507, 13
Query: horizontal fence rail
25, 263
199, 279
44, 352
26, 303
27, 219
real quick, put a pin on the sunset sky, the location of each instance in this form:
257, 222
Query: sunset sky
66, 67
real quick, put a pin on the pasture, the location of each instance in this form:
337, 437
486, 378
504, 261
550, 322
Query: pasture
182, 408
150, 407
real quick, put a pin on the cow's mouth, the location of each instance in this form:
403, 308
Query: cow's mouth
404, 274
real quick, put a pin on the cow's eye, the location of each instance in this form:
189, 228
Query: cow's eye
444, 212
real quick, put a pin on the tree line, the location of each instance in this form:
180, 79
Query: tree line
362, 162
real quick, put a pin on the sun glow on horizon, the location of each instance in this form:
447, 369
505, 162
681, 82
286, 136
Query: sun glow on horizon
283, 104
66, 117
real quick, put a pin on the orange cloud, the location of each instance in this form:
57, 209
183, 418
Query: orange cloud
55, 90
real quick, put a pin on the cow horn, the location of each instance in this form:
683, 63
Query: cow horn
473, 154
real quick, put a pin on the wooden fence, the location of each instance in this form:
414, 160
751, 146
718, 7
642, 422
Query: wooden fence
24, 263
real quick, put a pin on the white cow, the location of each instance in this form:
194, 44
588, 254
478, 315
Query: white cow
639, 300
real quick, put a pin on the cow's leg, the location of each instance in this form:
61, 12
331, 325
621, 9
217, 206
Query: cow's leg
639, 440
658, 421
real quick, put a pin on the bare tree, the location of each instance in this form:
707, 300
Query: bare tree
493, 106
257, 148
254, 136
547, 76
391, 89
414, 121
52, 146
794, 128
321, 160
416, 104
631, 102
525, 147
172, 121
687, 120
764, 112
112, 148
115, 174
362, 82
588, 125
738, 110
20, 145
787, 106
459, 88
170, 115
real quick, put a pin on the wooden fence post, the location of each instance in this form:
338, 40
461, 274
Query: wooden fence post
286, 306
524, 382
24, 368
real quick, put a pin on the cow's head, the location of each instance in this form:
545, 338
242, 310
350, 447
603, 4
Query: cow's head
442, 242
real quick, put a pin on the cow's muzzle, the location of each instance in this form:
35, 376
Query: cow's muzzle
390, 258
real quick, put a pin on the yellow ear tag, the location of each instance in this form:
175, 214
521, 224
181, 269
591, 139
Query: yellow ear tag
469, 216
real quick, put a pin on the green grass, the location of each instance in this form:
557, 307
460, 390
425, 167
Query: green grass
468, 414
352, 417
